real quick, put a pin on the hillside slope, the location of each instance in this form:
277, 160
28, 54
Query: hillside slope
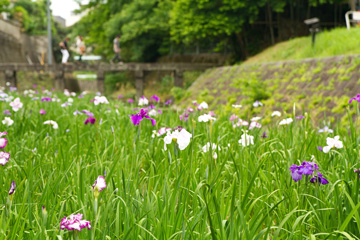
339, 41
316, 85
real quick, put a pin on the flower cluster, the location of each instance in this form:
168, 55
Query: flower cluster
160, 132
74, 222
307, 168
213, 148
206, 118
181, 137
4, 156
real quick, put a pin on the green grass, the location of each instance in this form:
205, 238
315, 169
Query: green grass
339, 41
246, 193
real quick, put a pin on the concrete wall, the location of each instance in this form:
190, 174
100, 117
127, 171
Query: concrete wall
16, 46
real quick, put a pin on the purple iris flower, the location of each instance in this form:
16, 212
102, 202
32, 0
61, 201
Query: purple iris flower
34, 86
296, 176
168, 102
159, 111
77, 112
80, 96
120, 96
13, 89
319, 178
264, 135
130, 100
88, 113
138, 117
7, 112
308, 168
151, 107
12, 188
326, 129
91, 120
155, 98
357, 98
320, 148
300, 117
46, 99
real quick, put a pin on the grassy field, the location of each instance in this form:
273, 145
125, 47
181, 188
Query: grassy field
339, 41
234, 190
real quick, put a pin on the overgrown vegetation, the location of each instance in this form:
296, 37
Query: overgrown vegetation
339, 41
317, 86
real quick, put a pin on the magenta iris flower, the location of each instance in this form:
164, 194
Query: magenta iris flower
355, 171
151, 106
46, 99
42, 111
91, 120
138, 117
184, 117
155, 98
357, 98
120, 96
130, 100
319, 178
168, 102
12, 188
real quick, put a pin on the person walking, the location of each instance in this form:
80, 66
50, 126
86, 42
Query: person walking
65, 51
80, 47
116, 47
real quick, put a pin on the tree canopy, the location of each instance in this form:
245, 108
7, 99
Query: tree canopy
151, 28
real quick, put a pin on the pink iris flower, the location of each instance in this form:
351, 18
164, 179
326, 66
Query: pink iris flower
74, 222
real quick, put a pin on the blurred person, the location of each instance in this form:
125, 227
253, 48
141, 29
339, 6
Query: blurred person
80, 47
65, 50
116, 47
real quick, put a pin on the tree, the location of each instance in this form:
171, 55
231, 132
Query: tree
143, 26
4, 4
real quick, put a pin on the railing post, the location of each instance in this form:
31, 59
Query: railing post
139, 83
101, 82
59, 80
178, 75
10, 76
